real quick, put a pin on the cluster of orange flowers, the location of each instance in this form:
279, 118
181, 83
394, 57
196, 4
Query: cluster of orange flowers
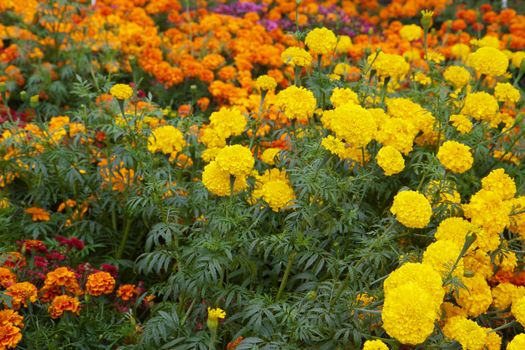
228, 52
60, 288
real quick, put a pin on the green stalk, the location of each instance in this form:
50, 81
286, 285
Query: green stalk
124, 239
291, 260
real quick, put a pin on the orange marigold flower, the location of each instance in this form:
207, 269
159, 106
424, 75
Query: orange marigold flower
10, 335
127, 292
21, 294
63, 303
38, 214
13, 317
62, 277
7, 277
100, 283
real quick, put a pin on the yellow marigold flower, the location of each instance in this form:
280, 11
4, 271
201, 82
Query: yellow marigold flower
412, 209
505, 293
518, 310
460, 51
435, 57
321, 41
476, 297
7, 277
489, 61
517, 343
99, 283
420, 274
269, 154
455, 156
498, 181
507, 93
63, 303
479, 262
442, 256
388, 65
457, 76
342, 69
341, 96
218, 181
211, 138
411, 32
265, 83
166, 139
344, 43
468, 333
236, 160
228, 122
295, 56
10, 335
409, 313
296, 102
488, 211
21, 294
274, 188
353, 124
121, 91
462, 123
38, 214
422, 79
517, 59
214, 315
390, 160
398, 133
454, 229
480, 106
374, 345
487, 40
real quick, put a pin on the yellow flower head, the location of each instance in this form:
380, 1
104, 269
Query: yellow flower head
236, 160
265, 83
166, 139
321, 41
295, 56
457, 76
481, 106
489, 61
390, 160
411, 32
507, 93
296, 103
412, 209
455, 156
121, 91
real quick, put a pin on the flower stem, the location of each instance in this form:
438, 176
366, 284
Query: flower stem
291, 260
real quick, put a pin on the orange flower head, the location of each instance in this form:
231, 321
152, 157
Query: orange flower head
100, 283
62, 277
21, 294
63, 303
127, 292
10, 335
13, 317
38, 214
